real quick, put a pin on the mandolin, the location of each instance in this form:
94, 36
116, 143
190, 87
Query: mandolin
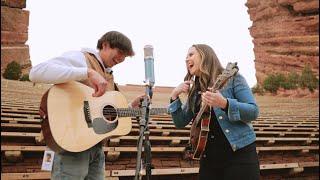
200, 124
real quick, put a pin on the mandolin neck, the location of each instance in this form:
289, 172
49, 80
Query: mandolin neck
205, 106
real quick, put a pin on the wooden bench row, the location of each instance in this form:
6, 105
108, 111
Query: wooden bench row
116, 174
288, 118
33, 106
159, 149
173, 140
284, 118
17, 122
167, 132
171, 128
15, 153
167, 124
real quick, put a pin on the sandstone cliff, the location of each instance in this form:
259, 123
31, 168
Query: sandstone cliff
285, 35
14, 34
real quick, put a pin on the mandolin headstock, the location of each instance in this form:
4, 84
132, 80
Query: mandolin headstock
223, 78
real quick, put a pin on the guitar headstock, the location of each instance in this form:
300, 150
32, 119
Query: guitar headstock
229, 72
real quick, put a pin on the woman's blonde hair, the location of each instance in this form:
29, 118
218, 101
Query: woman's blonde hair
210, 69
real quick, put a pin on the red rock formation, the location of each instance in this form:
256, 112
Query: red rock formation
14, 34
285, 35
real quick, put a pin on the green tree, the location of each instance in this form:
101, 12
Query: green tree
293, 80
25, 77
12, 71
257, 89
271, 84
308, 79
282, 80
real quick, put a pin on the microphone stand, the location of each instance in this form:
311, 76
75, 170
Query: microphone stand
144, 134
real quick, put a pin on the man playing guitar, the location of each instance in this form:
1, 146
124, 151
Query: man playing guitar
93, 69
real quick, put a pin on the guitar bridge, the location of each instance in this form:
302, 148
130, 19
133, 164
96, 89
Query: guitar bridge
87, 116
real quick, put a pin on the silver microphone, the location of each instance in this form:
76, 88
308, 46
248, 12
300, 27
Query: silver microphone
149, 65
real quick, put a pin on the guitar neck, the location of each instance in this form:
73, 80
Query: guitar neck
133, 112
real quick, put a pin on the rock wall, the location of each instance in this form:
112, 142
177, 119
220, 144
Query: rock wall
14, 34
285, 35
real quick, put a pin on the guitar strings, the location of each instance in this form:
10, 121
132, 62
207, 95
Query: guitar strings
129, 111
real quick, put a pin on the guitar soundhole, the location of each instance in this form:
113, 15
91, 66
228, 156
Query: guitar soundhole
110, 113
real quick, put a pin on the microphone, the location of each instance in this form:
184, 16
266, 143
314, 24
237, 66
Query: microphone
149, 65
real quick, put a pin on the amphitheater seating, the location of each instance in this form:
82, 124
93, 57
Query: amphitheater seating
287, 139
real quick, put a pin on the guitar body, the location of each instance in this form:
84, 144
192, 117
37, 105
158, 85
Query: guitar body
198, 137
75, 120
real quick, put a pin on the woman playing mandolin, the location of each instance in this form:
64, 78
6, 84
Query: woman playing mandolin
222, 99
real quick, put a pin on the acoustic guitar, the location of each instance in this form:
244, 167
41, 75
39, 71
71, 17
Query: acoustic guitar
74, 121
200, 124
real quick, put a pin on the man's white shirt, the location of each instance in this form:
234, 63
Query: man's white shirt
70, 66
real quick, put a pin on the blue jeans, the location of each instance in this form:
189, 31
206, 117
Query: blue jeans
88, 165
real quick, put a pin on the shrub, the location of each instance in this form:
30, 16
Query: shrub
25, 77
270, 83
257, 89
308, 79
287, 82
282, 80
12, 71
293, 80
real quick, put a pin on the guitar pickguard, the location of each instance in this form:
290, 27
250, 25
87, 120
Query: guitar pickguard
100, 126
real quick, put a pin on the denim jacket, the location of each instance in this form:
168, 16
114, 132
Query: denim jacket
235, 121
